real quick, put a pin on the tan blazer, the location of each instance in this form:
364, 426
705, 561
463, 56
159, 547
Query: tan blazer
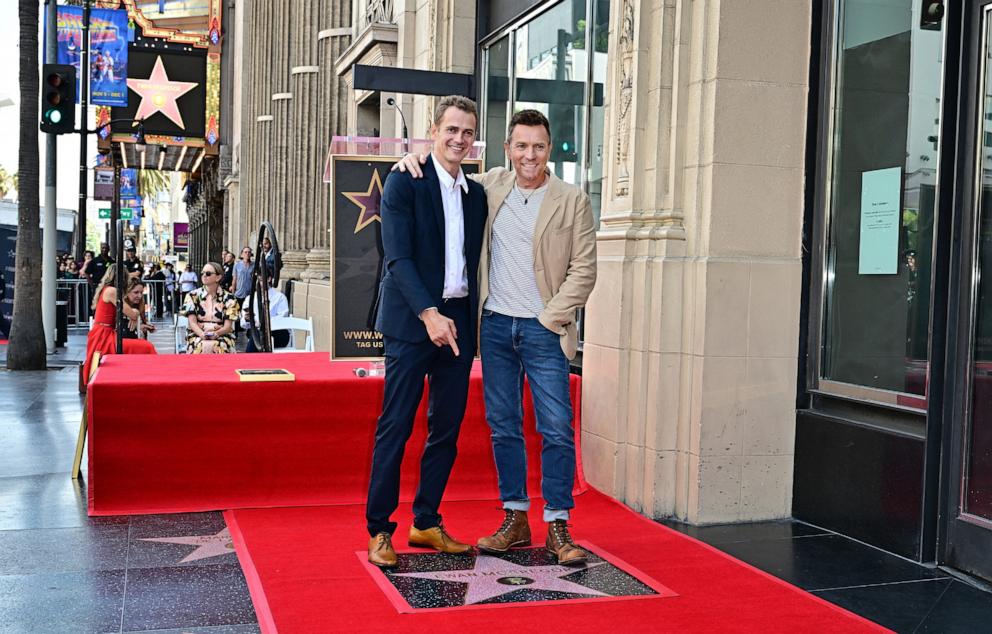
564, 250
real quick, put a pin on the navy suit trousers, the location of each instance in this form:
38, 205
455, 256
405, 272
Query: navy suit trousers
406, 366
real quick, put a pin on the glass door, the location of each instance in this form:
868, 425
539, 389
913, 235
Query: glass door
969, 474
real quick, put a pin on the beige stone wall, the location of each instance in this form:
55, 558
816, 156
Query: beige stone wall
692, 331
313, 299
291, 103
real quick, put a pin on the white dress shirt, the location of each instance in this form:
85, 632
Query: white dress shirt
278, 307
455, 272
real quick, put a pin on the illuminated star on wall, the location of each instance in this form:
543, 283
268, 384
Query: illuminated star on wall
368, 201
158, 94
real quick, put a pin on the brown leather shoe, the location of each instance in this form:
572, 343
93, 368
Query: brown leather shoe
514, 531
438, 539
381, 551
560, 544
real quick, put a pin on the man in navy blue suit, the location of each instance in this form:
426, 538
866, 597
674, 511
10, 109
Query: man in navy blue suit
428, 300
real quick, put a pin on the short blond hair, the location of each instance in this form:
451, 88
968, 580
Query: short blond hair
456, 101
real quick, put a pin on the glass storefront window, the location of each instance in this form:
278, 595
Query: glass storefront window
881, 197
977, 489
497, 98
550, 70
549, 56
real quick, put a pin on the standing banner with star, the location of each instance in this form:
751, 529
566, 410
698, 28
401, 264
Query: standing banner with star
356, 251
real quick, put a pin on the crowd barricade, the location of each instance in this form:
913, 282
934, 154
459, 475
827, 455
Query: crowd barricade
79, 300
159, 299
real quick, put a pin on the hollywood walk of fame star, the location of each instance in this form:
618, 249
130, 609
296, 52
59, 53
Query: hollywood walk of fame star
368, 201
207, 545
492, 577
158, 94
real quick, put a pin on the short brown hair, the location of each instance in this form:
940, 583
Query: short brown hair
528, 118
456, 101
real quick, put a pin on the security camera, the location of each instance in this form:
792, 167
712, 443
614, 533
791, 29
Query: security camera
390, 101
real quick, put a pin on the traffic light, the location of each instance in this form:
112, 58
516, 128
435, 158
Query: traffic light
58, 98
563, 142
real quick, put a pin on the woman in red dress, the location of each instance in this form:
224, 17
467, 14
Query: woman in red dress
102, 337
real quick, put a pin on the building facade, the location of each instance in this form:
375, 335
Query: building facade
791, 196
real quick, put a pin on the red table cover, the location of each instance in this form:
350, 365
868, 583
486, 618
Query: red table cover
178, 433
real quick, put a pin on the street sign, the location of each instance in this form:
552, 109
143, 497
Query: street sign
104, 214
125, 213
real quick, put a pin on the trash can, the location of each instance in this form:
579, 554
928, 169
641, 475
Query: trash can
61, 323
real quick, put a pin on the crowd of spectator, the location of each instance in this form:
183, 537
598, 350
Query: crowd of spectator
214, 301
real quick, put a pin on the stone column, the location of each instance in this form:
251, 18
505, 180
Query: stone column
257, 152
332, 95
692, 330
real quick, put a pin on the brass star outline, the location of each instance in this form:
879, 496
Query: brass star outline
368, 201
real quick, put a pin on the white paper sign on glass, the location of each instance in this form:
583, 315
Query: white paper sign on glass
878, 250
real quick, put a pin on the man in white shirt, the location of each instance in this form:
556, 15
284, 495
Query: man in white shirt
188, 281
428, 298
278, 307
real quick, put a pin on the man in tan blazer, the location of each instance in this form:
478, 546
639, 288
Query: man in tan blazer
538, 267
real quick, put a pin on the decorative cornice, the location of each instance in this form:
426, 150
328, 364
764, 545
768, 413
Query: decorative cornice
326, 33
376, 36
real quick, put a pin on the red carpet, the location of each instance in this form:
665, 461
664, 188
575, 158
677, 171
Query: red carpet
180, 433
304, 577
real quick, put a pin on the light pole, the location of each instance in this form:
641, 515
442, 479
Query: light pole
116, 228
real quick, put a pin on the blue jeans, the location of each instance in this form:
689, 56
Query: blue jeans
512, 347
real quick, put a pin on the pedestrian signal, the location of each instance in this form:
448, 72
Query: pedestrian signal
58, 98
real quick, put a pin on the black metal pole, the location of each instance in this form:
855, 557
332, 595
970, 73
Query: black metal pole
84, 93
117, 253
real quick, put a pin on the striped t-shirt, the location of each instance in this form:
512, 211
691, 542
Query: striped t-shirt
512, 285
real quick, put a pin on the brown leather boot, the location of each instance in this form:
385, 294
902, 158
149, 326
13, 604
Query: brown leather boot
560, 544
514, 531
438, 539
381, 551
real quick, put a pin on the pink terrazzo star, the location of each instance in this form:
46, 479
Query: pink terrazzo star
207, 545
492, 577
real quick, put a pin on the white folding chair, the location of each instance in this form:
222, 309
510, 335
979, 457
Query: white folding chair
292, 324
182, 324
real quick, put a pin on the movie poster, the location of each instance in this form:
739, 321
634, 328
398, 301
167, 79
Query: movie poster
129, 184
108, 51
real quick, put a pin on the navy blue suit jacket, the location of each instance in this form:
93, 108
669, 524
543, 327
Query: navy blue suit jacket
413, 246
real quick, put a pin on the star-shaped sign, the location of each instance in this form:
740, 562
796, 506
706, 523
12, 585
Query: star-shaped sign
368, 201
207, 545
158, 94
492, 577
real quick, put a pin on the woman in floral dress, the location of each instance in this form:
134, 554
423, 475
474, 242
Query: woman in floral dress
212, 312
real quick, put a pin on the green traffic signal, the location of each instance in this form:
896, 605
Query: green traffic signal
58, 98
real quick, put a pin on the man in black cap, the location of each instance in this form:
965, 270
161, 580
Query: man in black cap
132, 264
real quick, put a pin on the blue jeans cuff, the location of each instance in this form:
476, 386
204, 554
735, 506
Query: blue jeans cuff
551, 515
517, 505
